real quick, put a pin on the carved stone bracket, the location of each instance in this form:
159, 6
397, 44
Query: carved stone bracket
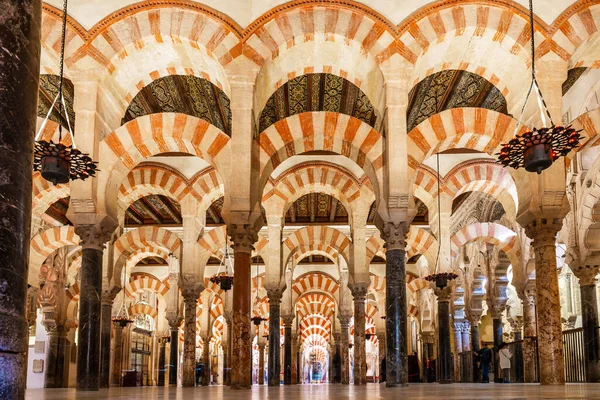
93, 236
287, 320
109, 294
274, 295
395, 235
359, 291
174, 319
586, 274
243, 237
543, 231
444, 294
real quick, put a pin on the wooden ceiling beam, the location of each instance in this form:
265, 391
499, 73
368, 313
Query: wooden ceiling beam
150, 211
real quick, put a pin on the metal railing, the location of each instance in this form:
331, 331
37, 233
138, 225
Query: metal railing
573, 345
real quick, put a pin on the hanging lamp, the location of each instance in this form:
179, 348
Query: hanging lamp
537, 149
57, 162
441, 279
224, 279
122, 319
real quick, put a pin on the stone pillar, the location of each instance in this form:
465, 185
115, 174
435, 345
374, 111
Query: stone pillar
108, 297
359, 292
382, 348
516, 325
589, 314
227, 350
529, 334
550, 342
457, 331
162, 360
117, 356
174, 323
190, 303
261, 364
475, 344
396, 323
294, 359
444, 359
56, 373
287, 354
497, 335
243, 238
466, 336
20, 60
205, 378
274, 336
344, 324
427, 338
92, 238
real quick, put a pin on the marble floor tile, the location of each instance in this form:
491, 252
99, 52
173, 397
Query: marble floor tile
338, 392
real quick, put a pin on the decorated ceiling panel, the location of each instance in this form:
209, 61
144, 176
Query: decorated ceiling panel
58, 211
162, 210
185, 94
316, 208
317, 92
48, 90
572, 77
452, 89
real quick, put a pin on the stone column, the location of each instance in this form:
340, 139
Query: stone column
174, 323
92, 238
274, 336
529, 334
475, 343
294, 359
497, 335
382, 352
287, 354
359, 292
261, 364
227, 350
466, 336
394, 236
427, 338
444, 359
344, 324
20, 60
56, 374
457, 331
589, 313
243, 238
162, 360
190, 303
516, 325
205, 378
550, 342
108, 297
117, 356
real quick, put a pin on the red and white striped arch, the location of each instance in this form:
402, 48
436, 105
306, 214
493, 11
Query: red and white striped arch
150, 135
217, 307
207, 186
145, 180
145, 309
51, 40
590, 123
472, 128
315, 249
45, 194
45, 243
212, 242
311, 235
142, 283
212, 287
315, 281
499, 235
315, 303
326, 131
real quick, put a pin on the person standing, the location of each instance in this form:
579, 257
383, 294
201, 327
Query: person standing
485, 360
505, 356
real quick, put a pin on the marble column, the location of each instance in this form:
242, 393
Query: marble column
287, 353
274, 336
117, 356
359, 292
550, 341
174, 349
466, 336
396, 323
108, 297
382, 352
517, 360
243, 238
92, 238
344, 324
261, 364
529, 334
205, 378
475, 344
294, 359
20, 60
444, 359
589, 314
56, 373
497, 335
457, 331
162, 360
427, 338
227, 350
190, 303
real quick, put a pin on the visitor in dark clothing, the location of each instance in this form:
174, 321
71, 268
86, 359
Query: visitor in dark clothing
485, 360
383, 370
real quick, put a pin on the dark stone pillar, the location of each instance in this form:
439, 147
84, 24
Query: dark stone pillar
88, 349
518, 355
360, 347
475, 346
345, 356
497, 335
190, 303
274, 337
20, 60
261, 364
337, 359
162, 360
105, 333
287, 353
243, 237
589, 311
173, 355
118, 356
205, 378
444, 359
227, 351
396, 321
56, 374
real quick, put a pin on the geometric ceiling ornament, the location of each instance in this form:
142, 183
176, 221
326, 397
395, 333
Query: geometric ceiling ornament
184, 94
317, 92
452, 89
316, 208
49, 85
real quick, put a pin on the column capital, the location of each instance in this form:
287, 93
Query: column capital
274, 295
109, 293
443, 294
394, 235
497, 310
543, 231
586, 274
344, 320
93, 236
243, 237
473, 316
359, 291
516, 323
428, 337
174, 319
527, 295
287, 320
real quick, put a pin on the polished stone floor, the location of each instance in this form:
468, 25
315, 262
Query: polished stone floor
338, 392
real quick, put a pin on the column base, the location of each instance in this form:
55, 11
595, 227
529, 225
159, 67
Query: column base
445, 381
